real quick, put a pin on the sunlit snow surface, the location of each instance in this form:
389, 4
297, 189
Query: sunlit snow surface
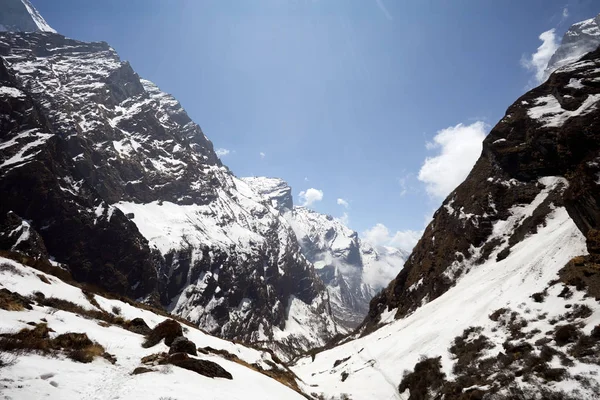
37, 377
379, 359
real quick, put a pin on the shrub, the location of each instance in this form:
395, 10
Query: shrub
566, 334
427, 378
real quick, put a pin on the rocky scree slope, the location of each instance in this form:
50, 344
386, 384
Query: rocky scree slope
106, 174
500, 297
352, 269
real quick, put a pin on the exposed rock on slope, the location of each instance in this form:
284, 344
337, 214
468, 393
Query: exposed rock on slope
347, 265
107, 174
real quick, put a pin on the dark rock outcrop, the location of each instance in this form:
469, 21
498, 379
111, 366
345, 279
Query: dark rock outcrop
202, 367
169, 330
183, 345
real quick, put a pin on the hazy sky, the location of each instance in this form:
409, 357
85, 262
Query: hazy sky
372, 109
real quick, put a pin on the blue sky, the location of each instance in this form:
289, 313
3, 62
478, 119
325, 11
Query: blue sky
348, 97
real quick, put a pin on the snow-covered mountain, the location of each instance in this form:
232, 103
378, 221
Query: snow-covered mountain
21, 16
347, 265
108, 175
581, 38
500, 297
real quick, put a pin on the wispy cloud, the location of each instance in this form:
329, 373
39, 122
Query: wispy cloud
345, 219
565, 13
310, 196
222, 152
458, 148
343, 203
380, 235
406, 183
538, 61
383, 8
262, 155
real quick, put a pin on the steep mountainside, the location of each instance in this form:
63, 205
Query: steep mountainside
108, 175
348, 266
500, 297
581, 38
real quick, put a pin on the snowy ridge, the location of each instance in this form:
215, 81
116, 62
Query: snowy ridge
34, 375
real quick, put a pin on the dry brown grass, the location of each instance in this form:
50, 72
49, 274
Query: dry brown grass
87, 354
11, 301
77, 346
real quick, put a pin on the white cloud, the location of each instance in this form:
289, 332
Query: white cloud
379, 235
538, 61
565, 13
310, 196
343, 203
262, 155
222, 152
459, 148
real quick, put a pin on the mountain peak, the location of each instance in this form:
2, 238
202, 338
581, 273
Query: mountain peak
581, 38
21, 16
276, 190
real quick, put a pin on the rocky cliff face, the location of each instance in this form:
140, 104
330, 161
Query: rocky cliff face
346, 264
552, 131
106, 174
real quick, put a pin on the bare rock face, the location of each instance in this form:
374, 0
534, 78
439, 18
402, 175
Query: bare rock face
543, 154
102, 171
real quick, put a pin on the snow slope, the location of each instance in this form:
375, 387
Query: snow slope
34, 376
378, 360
